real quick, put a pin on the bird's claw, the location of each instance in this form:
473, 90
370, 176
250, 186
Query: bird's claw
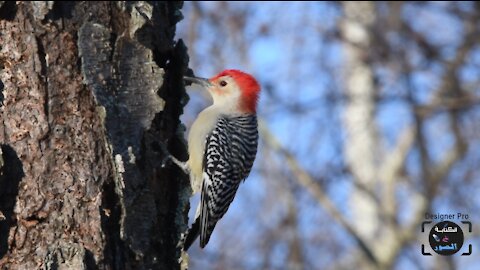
166, 161
169, 159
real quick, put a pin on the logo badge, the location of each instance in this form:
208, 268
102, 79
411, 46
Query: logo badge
446, 238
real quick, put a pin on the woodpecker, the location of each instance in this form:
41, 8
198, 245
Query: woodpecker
222, 146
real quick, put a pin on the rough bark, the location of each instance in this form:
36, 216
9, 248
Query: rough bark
89, 92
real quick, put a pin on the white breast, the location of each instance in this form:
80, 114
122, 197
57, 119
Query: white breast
202, 126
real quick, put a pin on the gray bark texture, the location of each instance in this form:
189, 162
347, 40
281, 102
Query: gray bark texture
90, 94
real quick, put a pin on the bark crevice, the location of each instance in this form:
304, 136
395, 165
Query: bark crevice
11, 173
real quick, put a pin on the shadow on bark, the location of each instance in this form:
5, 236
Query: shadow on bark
8, 10
10, 175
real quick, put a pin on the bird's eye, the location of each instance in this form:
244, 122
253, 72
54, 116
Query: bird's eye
223, 83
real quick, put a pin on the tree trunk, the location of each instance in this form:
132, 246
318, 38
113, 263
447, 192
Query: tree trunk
362, 149
89, 93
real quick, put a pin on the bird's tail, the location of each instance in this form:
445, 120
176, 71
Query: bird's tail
192, 234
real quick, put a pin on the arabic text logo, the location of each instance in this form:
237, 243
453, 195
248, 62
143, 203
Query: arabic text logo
446, 238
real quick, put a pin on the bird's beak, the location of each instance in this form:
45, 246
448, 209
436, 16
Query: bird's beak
201, 81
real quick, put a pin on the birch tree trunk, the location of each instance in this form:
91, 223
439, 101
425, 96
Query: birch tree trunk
361, 148
89, 92
359, 114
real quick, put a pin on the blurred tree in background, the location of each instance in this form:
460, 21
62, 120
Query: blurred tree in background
370, 119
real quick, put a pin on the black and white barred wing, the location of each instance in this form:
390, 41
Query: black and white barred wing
230, 151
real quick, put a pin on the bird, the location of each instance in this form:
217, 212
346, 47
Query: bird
222, 146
